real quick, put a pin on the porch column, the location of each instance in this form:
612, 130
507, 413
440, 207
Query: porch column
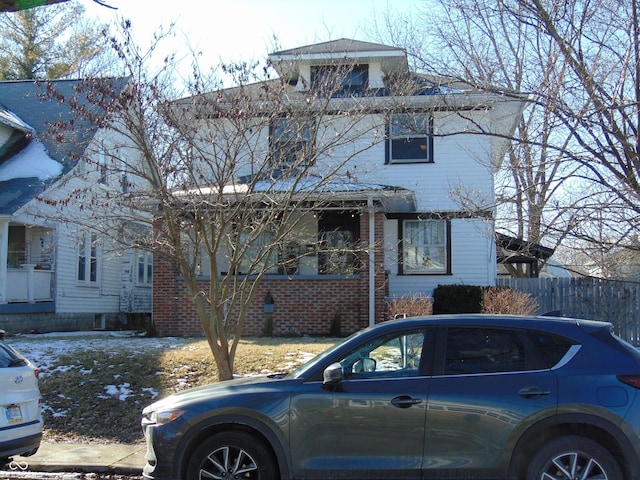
4, 249
372, 262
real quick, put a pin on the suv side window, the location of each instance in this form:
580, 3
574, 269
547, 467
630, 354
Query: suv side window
397, 355
483, 350
551, 348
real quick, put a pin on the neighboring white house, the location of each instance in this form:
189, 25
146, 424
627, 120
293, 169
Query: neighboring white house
423, 189
57, 273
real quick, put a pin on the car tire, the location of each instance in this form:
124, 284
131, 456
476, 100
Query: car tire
567, 458
232, 454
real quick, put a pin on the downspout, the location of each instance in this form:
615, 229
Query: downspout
372, 262
4, 246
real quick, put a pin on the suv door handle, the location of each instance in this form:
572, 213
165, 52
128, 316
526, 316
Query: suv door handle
405, 401
533, 392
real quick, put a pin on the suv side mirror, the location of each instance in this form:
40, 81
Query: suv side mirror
332, 376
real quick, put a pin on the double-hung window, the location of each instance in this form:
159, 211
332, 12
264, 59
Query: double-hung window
410, 138
145, 268
425, 246
291, 142
103, 167
88, 258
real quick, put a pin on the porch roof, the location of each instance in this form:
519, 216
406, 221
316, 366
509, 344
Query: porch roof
313, 188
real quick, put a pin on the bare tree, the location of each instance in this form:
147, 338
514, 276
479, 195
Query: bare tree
200, 184
599, 43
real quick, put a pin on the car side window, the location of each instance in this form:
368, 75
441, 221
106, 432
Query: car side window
483, 350
9, 358
398, 355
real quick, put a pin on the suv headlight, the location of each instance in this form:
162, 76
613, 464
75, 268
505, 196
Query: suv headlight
160, 417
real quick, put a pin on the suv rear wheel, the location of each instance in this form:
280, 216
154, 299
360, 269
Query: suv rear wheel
573, 457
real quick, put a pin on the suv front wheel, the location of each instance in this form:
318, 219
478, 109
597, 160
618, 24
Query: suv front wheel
573, 457
232, 454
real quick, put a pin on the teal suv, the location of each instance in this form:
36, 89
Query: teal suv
439, 397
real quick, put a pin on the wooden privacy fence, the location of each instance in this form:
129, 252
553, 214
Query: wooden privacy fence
589, 298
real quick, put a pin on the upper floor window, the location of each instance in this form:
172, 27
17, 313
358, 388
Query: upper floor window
112, 169
425, 246
410, 138
291, 142
337, 79
103, 167
88, 258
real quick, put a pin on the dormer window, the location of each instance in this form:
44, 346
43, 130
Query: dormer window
291, 142
340, 79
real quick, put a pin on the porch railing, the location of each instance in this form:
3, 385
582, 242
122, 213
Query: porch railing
29, 285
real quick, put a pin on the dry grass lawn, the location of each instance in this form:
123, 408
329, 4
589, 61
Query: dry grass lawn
77, 407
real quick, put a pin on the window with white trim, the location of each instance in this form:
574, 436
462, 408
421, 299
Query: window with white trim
103, 167
424, 246
410, 138
88, 258
145, 268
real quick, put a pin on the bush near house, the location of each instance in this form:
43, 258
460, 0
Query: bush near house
451, 299
410, 306
508, 301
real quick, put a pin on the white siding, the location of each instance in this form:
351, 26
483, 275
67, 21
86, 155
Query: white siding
69, 221
76, 297
462, 167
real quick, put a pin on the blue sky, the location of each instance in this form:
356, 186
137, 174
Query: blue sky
245, 29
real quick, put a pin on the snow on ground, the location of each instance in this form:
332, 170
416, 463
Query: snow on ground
44, 350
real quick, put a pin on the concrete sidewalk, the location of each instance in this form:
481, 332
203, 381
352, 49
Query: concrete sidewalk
82, 458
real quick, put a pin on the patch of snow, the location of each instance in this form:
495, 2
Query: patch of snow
121, 392
32, 161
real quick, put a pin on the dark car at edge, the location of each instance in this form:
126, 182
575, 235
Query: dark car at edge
437, 397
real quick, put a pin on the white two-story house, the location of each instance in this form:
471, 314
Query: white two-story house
57, 270
416, 189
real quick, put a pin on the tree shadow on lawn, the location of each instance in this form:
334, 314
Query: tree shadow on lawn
98, 395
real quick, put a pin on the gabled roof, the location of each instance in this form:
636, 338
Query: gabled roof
26, 107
